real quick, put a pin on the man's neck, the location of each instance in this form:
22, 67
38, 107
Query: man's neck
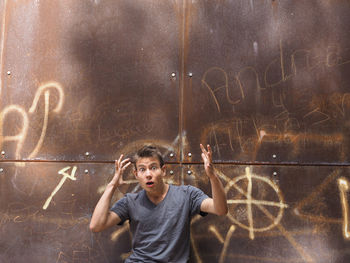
158, 196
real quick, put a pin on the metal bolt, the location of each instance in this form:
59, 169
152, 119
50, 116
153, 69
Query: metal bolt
171, 172
1, 170
173, 74
274, 173
274, 156
86, 171
189, 154
87, 154
172, 155
190, 74
2, 152
189, 172
8, 72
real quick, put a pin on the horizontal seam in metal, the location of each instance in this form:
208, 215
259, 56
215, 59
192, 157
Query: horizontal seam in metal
183, 163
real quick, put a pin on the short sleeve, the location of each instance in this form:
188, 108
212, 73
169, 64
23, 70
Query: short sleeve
121, 209
196, 196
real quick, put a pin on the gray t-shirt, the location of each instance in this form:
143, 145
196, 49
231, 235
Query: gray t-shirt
161, 233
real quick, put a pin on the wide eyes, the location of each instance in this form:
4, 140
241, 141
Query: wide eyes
143, 169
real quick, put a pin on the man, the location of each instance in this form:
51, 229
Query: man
160, 214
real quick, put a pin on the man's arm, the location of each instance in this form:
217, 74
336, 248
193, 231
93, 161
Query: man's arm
102, 217
218, 204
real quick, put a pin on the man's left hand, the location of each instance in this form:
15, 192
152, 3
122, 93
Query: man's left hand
208, 162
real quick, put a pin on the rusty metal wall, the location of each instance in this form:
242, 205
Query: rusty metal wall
266, 83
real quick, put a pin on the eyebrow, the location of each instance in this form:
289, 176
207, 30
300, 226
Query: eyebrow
143, 165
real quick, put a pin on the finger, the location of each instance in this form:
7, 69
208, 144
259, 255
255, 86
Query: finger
126, 165
210, 152
209, 149
204, 151
204, 157
120, 158
202, 148
124, 161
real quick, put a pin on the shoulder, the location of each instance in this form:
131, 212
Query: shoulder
134, 196
185, 189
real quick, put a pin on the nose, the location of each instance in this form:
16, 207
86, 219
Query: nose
148, 173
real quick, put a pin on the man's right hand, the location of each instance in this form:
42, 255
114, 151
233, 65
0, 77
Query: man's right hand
102, 218
120, 167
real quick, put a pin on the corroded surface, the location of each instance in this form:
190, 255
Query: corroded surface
266, 83
89, 76
269, 78
276, 214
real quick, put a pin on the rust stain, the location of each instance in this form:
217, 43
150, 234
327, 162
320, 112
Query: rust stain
2, 43
274, 7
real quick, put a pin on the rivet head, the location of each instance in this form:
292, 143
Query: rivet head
2, 152
189, 172
189, 154
8, 72
274, 173
87, 154
1, 170
190, 74
173, 74
171, 172
171, 155
86, 171
274, 156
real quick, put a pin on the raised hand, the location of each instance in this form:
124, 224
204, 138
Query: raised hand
120, 167
208, 162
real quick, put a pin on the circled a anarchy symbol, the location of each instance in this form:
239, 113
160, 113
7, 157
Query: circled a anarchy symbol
252, 203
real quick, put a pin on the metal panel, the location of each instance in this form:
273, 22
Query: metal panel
276, 214
270, 80
89, 76
45, 209
291, 214
264, 82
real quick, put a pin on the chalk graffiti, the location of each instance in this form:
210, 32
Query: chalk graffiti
234, 185
343, 185
21, 136
58, 187
250, 201
46, 88
301, 210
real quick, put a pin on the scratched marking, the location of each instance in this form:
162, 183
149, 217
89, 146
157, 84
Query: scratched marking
58, 187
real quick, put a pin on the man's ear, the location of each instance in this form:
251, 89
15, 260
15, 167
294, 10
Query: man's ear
164, 170
135, 172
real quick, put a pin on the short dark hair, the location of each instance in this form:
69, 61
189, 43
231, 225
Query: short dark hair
148, 151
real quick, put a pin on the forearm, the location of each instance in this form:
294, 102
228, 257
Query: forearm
100, 214
219, 195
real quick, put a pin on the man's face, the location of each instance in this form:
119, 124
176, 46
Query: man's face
150, 174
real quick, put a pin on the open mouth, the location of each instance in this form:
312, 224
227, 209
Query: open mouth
150, 184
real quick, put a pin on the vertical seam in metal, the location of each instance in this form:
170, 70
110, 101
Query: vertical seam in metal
2, 45
181, 84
